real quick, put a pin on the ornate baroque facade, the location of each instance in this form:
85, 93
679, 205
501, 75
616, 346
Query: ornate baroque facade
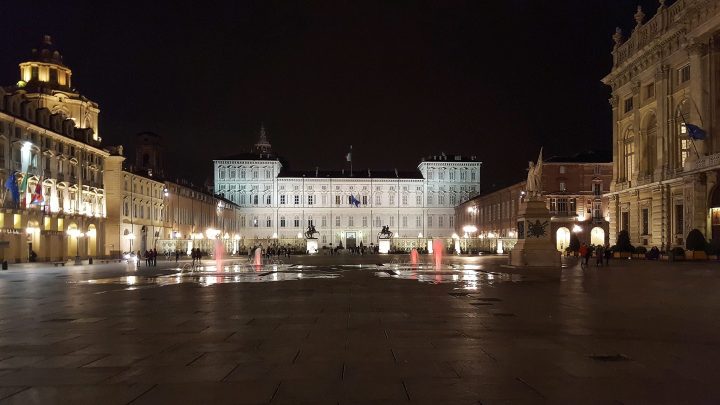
48, 135
664, 76
279, 205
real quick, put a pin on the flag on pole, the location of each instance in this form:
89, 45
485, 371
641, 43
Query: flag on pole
354, 201
12, 186
695, 132
23, 190
37, 196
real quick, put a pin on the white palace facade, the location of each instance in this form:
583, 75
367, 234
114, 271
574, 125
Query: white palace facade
276, 206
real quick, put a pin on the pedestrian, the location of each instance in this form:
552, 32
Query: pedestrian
608, 255
583, 254
177, 255
599, 253
154, 255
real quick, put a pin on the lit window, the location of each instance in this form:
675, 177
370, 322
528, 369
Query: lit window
684, 74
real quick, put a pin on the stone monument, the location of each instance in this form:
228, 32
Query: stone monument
384, 237
535, 247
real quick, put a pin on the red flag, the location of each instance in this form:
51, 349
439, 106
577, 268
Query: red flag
37, 197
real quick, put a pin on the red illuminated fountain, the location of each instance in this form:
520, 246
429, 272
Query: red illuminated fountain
414, 257
437, 252
258, 257
218, 254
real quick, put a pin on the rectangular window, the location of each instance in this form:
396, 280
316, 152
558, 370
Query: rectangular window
337, 221
440, 221
430, 221
310, 200
392, 221
684, 74
597, 188
452, 221
351, 221
296, 222
364, 200
404, 222
628, 104
562, 205
337, 200
418, 221
404, 200
625, 221
649, 91
282, 200
297, 200
364, 221
282, 222
392, 199
324, 222
377, 200
562, 169
645, 221
597, 209
418, 200
679, 219
562, 186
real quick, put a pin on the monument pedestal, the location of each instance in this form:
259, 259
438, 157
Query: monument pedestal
312, 245
384, 246
535, 247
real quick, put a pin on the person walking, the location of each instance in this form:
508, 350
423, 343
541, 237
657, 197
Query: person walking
154, 257
177, 255
599, 254
608, 255
583, 251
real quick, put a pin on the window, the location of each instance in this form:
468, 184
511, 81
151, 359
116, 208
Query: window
649, 91
452, 221
296, 222
625, 221
310, 200
378, 222
268, 200
418, 200
268, 222
337, 220
562, 205
472, 176
441, 221
242, 174
392, 221
452, 199
404, 200
282, 222
364, 221
282, 200
255, 174
324, 222
684, 144
297, 199
645, 221
404, 222
337, 200
222, 173
429, 200
684, 74
255, 222
629, 150
430, 221
364, 200
418, 221
628, 104
679, 219
255, 200
377, 200
351, 221
232, 173
562, 186
562, 169
441, 199
392, 199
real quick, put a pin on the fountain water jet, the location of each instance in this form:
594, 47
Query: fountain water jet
218, 254
258, 257
438, 252
414, 257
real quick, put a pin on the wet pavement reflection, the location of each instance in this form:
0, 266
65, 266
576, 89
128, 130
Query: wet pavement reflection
466, 276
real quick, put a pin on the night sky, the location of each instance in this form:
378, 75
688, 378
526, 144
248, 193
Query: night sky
396, 79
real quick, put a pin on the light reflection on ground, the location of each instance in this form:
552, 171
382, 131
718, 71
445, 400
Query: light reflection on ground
467, 276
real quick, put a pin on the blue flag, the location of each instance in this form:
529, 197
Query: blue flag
354, 201
12, 186
695, 132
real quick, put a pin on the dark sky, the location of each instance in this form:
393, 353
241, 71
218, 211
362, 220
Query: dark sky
396, 79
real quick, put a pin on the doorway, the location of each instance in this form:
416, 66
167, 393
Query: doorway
350, 240
715, 216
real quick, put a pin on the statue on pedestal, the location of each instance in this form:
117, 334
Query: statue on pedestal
385, 233
310, 232
534, 179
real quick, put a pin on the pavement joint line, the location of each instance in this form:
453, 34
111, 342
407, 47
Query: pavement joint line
141, 394
393, 354
94, 360
229, 336
342, 373
531, 387
275, 392
407, 394
15, 393
230, 372
296, 356
195, 359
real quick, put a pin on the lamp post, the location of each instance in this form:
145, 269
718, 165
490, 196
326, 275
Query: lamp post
77, 234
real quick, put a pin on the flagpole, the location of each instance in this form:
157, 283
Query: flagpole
687, 133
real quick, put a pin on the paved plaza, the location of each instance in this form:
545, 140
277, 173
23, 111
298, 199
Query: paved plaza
361, 330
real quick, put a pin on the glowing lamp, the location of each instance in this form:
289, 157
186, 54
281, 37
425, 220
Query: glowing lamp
577, 228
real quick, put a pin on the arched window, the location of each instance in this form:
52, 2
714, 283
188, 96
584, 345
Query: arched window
629, 153
683, 141
649, 151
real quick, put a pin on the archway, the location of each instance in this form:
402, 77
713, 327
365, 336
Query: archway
33, 239
92, 240
597, 236
72, 241
562, 238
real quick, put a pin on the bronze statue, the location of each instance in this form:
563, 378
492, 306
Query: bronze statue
385, 233
310, 232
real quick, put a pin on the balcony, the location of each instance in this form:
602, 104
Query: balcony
703, 162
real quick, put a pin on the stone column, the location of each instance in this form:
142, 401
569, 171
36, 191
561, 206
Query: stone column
664, 132
616, 149
698, 91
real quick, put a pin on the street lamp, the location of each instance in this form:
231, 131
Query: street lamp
77, 234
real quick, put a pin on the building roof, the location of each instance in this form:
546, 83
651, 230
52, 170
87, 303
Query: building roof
356, 174
442, 157
590, 156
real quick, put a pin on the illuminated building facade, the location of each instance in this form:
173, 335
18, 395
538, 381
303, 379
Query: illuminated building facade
347, 208
574, 191
663, 77
49, 143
